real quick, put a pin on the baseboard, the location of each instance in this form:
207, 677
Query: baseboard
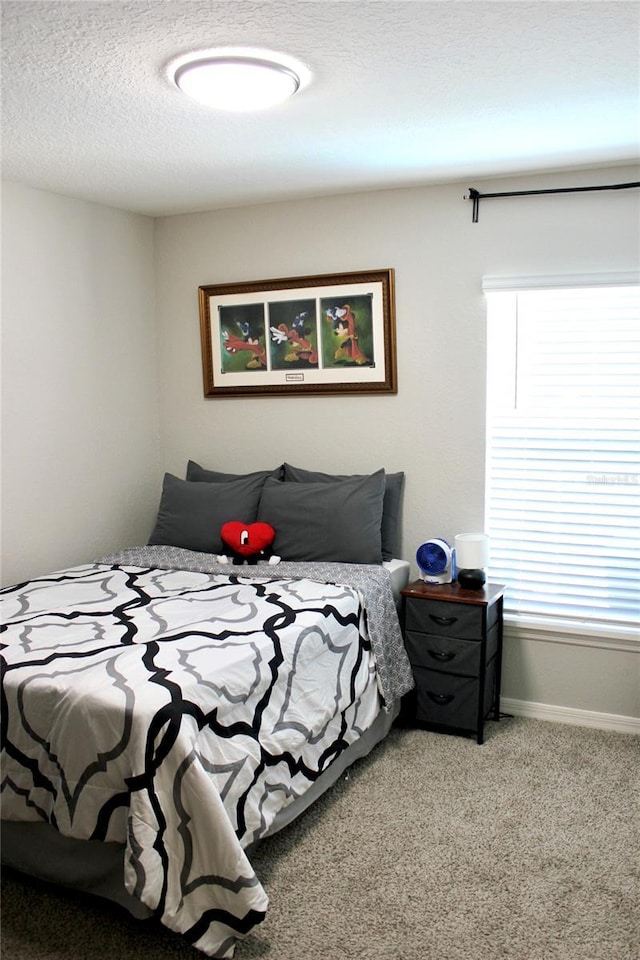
579, 718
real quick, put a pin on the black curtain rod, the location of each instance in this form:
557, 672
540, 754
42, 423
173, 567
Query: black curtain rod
476, 196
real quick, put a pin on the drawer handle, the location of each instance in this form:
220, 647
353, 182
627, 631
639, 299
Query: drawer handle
442, 657
443, 621
440, 698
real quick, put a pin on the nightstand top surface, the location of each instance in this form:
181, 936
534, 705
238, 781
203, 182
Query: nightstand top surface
454, 592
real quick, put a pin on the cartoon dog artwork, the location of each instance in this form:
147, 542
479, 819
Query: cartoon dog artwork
299, 347
344, 327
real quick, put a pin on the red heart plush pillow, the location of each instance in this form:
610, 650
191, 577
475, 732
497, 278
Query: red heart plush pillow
247, 539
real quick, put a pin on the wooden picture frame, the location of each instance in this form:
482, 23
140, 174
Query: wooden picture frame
327, 334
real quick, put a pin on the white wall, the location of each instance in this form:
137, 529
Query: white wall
434, 428
79, 381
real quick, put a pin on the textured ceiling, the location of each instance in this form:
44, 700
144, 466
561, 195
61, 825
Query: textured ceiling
402, 93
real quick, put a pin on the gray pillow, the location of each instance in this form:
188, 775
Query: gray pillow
199, 474
390, 509
191, 514
326, 521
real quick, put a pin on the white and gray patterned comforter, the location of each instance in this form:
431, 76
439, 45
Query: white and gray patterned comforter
175, 705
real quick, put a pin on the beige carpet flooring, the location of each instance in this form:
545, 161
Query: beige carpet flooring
432, 848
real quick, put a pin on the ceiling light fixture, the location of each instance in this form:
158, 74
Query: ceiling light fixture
240, 83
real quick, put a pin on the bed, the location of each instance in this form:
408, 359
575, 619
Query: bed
164, 710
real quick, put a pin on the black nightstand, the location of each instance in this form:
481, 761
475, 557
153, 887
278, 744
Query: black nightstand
454, 641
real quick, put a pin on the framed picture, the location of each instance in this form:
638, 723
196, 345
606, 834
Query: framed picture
331, 334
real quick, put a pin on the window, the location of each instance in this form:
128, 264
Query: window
563, 453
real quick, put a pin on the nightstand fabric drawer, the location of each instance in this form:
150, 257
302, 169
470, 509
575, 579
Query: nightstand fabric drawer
446, 619
449, 654
450, 700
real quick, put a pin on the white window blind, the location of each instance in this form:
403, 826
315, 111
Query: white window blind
563, 452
